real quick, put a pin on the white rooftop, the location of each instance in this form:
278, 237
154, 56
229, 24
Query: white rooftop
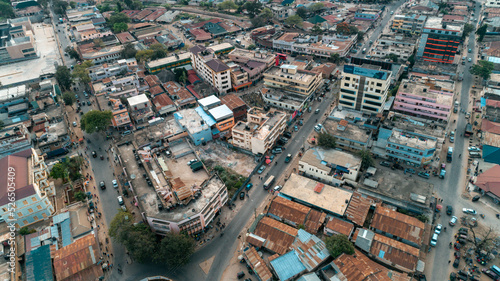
139, 99
12, 93
221, 112
208, 101
289, 66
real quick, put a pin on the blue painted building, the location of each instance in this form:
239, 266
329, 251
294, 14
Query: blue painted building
367, 14
198, 127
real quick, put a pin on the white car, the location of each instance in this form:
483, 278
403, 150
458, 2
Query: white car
469, 211
438, 229
474, 148
74, 124
469, 59
277, 188
120, 200
318, 128
434, 240
115, 183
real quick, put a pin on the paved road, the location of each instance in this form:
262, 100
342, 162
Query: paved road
454, 182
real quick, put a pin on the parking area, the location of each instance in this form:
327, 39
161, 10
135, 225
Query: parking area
180, 169
241, 163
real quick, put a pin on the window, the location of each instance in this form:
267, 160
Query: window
25, 202
30, 210
348, 78
346, 84
25, 222
33, 199
19, 214
379, 84
39, 207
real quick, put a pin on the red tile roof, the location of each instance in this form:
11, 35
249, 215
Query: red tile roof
125, 37
489, 181
491, 127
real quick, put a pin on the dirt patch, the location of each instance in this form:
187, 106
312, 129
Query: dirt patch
253, 100
241, 163
207, 264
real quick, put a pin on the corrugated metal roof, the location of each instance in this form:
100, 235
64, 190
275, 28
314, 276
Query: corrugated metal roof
288, 210
279, 236
258, 265
221, 112
340, 226
66, 233
310, 249
287, 266
207, 118
54, 232
395, 252
39, 264
398, 224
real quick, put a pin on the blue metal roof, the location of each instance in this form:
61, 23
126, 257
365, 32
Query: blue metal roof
54, 232
57, 219
39, 264
207, 118
66, 233
35, 242
287, 266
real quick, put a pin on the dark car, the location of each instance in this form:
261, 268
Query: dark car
456, 263
476, 198
94, 154
240, 275
385, 164
449, 210
490, 274
102, 185
457, 255
242, 195
287, 134
89, 103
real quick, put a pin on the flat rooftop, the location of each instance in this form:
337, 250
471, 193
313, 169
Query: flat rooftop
191, 120
220, 47
168, 60
426, 91
319, 156
436, 23
350, 131
301, 75
412, 140
31, 69
274, 116
329, 198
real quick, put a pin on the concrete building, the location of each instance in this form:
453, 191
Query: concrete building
290, 79
261, 130
17, 42
32, 188
439, 41
410, 24
201, 210
432, 100
164, 104
244, 56
170, 62
367, 14
364, 88
398, 45
210, 68
237, 106
180, 95
121, 118
140, 108
330, 166
351, 136
14, 139
98, 72
296, 43
282, 12
410, 147
196, 127
213, 111
101, 55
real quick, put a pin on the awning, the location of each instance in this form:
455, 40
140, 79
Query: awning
268, 161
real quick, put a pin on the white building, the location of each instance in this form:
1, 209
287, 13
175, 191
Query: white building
211, 69
140, 108
14, 139
98, 72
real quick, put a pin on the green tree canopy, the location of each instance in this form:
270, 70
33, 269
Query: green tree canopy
63, 77
1, 124
69, 98
481, 31
266, 14
251, 47
128, 51
253, 8
176, 249
316, 7
468, 28
326, 140
180, 74
58, 171
294, 20
339, 244
335, 58
159, 51
96, 121
72, 53
483, 69
60, 6
227, 5
144, 55
80, 196
392, 57
317, 29
81, 71
118, 18
366, 158
120, 27
72, 4
6, 11
302, 12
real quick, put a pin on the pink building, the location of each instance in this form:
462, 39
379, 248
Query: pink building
426, 99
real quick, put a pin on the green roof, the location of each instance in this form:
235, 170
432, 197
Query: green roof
287, 2
316, 19
39, 264
214, 28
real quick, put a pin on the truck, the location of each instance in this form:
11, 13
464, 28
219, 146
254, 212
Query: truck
449, 155
468, 130
57, 152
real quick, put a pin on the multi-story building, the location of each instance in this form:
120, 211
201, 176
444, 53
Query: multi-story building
330, 166
411, 24
210, 68
261, 130
14, 139
367, 14
399, 45
27, 170
364, 88
170, 62
121, 118
237, 105
243, 56
195, 125
296, 43
17, 42
101, 55
98, 72
140, 108
221, 116
282, 12
439, 41
239, 77
291, 79
349, 136
410, 147
432, 100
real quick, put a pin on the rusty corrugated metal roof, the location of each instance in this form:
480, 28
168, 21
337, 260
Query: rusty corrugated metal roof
394, 252
314, 221
358, 207
398, 224
288, 210
279, 236
340, 226
258, 265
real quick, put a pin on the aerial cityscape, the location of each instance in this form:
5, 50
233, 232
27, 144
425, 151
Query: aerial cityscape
187, 140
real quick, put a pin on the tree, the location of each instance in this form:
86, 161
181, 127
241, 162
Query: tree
343, 28
294, 20
96, 121
58, 171
481, 31
6, 11
316, 7
266, 14
60, 6
227, 5
180, 74
468, 28
120, 27
251, 47
80, 196
63, 77
423, 218
326, 140
69, 98
176, 249
339, 244
159, 51
144, 55
128, 51
1, 124
301, 12
168, 7
72, 53
483, 240
316, 29
483, 69
335, 58
360, 35
98, 42
392, 57
26, 230
81, 72
118, 18
253, 8
366, 158
72, 4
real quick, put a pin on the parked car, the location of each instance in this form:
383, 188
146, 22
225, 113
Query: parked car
240, 275
296, 128
438, 229
469, 59
434, 240
424, 175
102, 185
449, 210
287, 134
192, 161
94, 154
120, 200
469, 211
453, 221
456, 263
452, 139
249, 186
301, 122
74, 124
474, 148
242, 195
385, 164
277, 188
316, 111
261, 169
411, 171
115, 183
288, 158
490, 274
476, 198
283, 139
276, 150
318, 128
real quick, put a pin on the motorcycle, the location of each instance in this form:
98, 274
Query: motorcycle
481, 215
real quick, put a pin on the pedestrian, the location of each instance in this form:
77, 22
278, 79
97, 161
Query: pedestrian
94, 187
449, 261
111, 254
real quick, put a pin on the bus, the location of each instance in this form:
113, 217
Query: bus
468, 130
269, 182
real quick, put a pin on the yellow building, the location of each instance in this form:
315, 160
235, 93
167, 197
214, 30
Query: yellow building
290, 79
